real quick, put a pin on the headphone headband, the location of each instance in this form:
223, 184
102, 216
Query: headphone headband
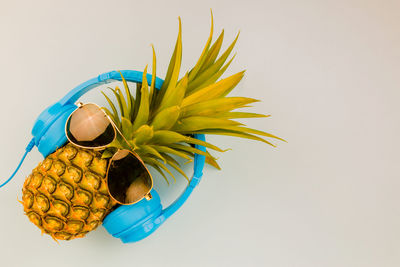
108, 77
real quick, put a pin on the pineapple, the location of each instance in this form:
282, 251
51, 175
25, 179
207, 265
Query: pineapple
66, 194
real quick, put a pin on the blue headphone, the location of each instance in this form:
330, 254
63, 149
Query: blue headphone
130, 223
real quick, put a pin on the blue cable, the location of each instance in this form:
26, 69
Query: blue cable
27, 150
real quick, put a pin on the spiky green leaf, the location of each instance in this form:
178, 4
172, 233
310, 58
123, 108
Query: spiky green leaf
127, 128
190, 150
215, 106
195, 123
175, 95
172, 76
234, 134
146, 150
204, 81
168, 149
213, 52
143, 112
128, 96
158, 169
153, 78
165, 119
143, 134
213, 163
203, 56
215, 90
240, 115
153, 161
174, 164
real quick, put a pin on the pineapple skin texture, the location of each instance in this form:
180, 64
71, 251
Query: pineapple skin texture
66, 195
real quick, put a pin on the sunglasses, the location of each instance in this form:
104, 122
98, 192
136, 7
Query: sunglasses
128, 179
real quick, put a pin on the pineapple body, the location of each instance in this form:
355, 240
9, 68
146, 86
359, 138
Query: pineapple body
66, 195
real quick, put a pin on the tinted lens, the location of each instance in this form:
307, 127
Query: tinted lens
88, 126
128, 179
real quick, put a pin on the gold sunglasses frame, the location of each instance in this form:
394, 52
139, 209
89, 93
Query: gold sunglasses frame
147, 196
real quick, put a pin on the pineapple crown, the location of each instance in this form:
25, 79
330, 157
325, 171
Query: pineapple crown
159, 124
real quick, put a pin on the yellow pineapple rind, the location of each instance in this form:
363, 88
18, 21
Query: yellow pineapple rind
66, 194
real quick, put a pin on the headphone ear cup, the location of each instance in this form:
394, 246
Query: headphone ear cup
132, 223
49, 128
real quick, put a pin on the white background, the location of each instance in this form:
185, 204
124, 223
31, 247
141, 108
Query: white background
327, 71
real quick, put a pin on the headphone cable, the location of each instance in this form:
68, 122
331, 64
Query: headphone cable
27, 150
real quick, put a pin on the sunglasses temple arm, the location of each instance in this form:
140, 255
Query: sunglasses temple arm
116, 128
27, 150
